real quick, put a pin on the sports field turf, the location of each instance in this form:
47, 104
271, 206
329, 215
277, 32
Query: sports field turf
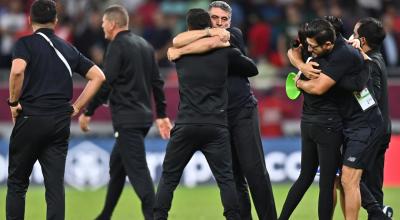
199, 203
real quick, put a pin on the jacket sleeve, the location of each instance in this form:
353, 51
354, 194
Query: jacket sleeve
157, 85
241, 65
357, 82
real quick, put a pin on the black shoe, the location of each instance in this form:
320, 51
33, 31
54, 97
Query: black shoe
388, 211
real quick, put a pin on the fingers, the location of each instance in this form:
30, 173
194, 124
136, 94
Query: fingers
84, 123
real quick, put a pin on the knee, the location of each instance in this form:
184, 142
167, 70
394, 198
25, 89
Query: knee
17, 186
350, 179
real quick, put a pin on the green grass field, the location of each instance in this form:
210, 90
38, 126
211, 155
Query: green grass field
199, 203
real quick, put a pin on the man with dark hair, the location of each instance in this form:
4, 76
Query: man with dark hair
361, 117
371, 34
40, 95
201, 123
132, 79
249, 167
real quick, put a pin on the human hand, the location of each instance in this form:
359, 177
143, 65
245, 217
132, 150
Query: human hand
84, 122
173, 54
309, 71
15, 112
223, 34
164, 127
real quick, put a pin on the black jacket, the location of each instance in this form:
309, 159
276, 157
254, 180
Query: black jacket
203, 85
132, 77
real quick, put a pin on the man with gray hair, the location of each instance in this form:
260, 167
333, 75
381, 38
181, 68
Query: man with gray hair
132, 78
247, 150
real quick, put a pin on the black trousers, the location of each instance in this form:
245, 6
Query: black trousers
372, 180
249, 168
213, 142
319, 146
42, 138
128, 158
373, 176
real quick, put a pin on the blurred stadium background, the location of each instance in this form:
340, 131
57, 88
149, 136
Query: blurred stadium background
268, 27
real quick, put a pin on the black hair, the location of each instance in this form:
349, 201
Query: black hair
43, 11
372, 30
337, 24
197, 19
321, 30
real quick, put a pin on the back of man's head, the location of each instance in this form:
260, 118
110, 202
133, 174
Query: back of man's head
43, 12
197, 19
222, 5
117, 14
337, 24
321, 30
372, 30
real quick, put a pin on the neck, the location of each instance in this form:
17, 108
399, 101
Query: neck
366, 48
116, 31
36, 27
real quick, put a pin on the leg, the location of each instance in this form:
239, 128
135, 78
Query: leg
178, 153
309, 165
24, 141
329, 142
246, 137
132, 152
115, 185
218, 155
351, 185
52, 160
373, 177
241, 188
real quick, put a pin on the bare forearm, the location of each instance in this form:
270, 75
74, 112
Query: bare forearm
202, 45
294, 60
15, 85
188, 37
96, 79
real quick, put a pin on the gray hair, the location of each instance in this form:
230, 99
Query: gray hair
220, 4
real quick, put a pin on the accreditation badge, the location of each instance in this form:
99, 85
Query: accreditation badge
365, 99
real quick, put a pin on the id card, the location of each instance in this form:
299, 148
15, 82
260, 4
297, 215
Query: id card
365, 99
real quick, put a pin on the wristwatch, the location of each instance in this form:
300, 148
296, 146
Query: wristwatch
12, 104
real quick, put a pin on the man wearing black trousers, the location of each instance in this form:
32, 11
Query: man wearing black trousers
132, 77
247, 151
202, 119
40, 95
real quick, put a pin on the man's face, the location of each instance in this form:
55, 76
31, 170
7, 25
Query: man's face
107, 26
220, 18
315, 49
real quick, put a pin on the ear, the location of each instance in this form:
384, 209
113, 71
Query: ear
29, 20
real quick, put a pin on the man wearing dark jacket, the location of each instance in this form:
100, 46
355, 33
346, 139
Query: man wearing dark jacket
248, 161
131, 78
202, 119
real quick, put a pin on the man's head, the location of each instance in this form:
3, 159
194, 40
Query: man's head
197, 19
115, 19
337, 24
43, 12
320, 36
220, 13
370, 32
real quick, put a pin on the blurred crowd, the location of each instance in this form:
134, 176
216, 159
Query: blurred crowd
268, 25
